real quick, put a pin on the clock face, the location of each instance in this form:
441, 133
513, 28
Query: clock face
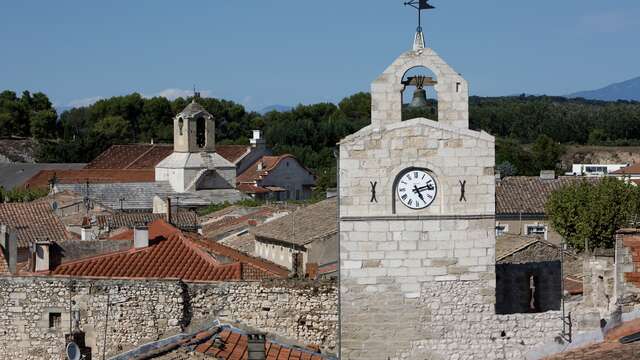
417, 189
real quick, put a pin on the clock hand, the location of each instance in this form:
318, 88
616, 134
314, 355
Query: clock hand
416, 190
420, 189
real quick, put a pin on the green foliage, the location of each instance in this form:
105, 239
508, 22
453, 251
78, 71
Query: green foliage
20, 116
22, 195
588, 214
546, 153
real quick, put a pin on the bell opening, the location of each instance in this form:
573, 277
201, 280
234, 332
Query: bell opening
419, 98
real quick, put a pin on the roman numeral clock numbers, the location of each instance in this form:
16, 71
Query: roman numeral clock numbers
416, 189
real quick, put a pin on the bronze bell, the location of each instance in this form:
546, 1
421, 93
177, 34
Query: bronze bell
419, 98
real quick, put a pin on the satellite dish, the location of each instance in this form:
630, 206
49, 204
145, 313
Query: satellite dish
55, 205
73, 351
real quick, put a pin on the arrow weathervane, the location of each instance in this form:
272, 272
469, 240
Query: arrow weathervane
418, 42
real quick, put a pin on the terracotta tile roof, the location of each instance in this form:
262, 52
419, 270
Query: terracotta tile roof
610, 349
233, 153
302, 226
147, 156
171, 254
182, 219
252, 174
263, 266
231, 344
528, 194
134, 156
245, 243
252, 189
227, 224
42, 178
33, 221
629, 170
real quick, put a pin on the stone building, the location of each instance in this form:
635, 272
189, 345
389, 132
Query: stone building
417, 232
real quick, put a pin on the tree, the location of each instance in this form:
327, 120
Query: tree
587, 214
113, 127
546, 153
43, 124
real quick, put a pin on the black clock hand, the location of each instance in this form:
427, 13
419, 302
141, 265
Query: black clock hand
416, 190
420, 189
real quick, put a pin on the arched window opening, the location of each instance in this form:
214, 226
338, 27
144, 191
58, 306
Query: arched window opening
419, 98
201, 138
180, 125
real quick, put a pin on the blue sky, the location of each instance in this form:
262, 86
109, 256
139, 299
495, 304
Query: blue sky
269, 52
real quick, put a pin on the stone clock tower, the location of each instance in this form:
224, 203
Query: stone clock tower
417, 228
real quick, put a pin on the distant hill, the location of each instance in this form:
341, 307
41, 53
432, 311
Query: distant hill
278, 108
626, 90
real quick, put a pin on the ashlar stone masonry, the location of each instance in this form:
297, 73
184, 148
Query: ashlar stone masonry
420, 284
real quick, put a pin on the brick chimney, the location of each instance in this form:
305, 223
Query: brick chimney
141, 237
256, 346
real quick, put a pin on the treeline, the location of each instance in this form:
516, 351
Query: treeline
529, 129
30, 115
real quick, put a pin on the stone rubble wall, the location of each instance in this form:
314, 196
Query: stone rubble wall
141, 311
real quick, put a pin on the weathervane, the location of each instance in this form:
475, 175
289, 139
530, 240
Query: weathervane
418, 41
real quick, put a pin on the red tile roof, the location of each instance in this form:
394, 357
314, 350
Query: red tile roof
171, 254
610, 349
147, 156
221, 226
629, 170
32, 221
232, 344
134, 156
262, 266
233, 153
252, 189
252, 174
4, 267
42, 178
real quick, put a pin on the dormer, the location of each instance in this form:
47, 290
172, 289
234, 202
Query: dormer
194, 130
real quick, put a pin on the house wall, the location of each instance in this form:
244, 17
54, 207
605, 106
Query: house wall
256, 153
142, 311
518, 227
277, 253
290, 175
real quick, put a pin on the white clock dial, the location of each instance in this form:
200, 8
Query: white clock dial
416, 189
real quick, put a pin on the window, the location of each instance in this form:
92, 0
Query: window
501, 229
201, 140
537, 229
297, 194
55, 320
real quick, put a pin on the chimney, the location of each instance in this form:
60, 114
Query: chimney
260, 165
256, 346
42, 258
257, 141
141, 237
169, 210
498, 177
9, 244
547, 174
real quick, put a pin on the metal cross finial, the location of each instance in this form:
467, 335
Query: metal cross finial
420, 5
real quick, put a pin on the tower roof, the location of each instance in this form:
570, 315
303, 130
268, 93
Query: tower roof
194, 109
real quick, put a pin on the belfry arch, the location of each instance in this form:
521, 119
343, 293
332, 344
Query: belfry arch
452, 90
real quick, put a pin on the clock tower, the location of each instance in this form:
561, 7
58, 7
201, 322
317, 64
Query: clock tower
417, 223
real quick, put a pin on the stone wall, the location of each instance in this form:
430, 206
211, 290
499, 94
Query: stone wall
627, 277
142, 311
